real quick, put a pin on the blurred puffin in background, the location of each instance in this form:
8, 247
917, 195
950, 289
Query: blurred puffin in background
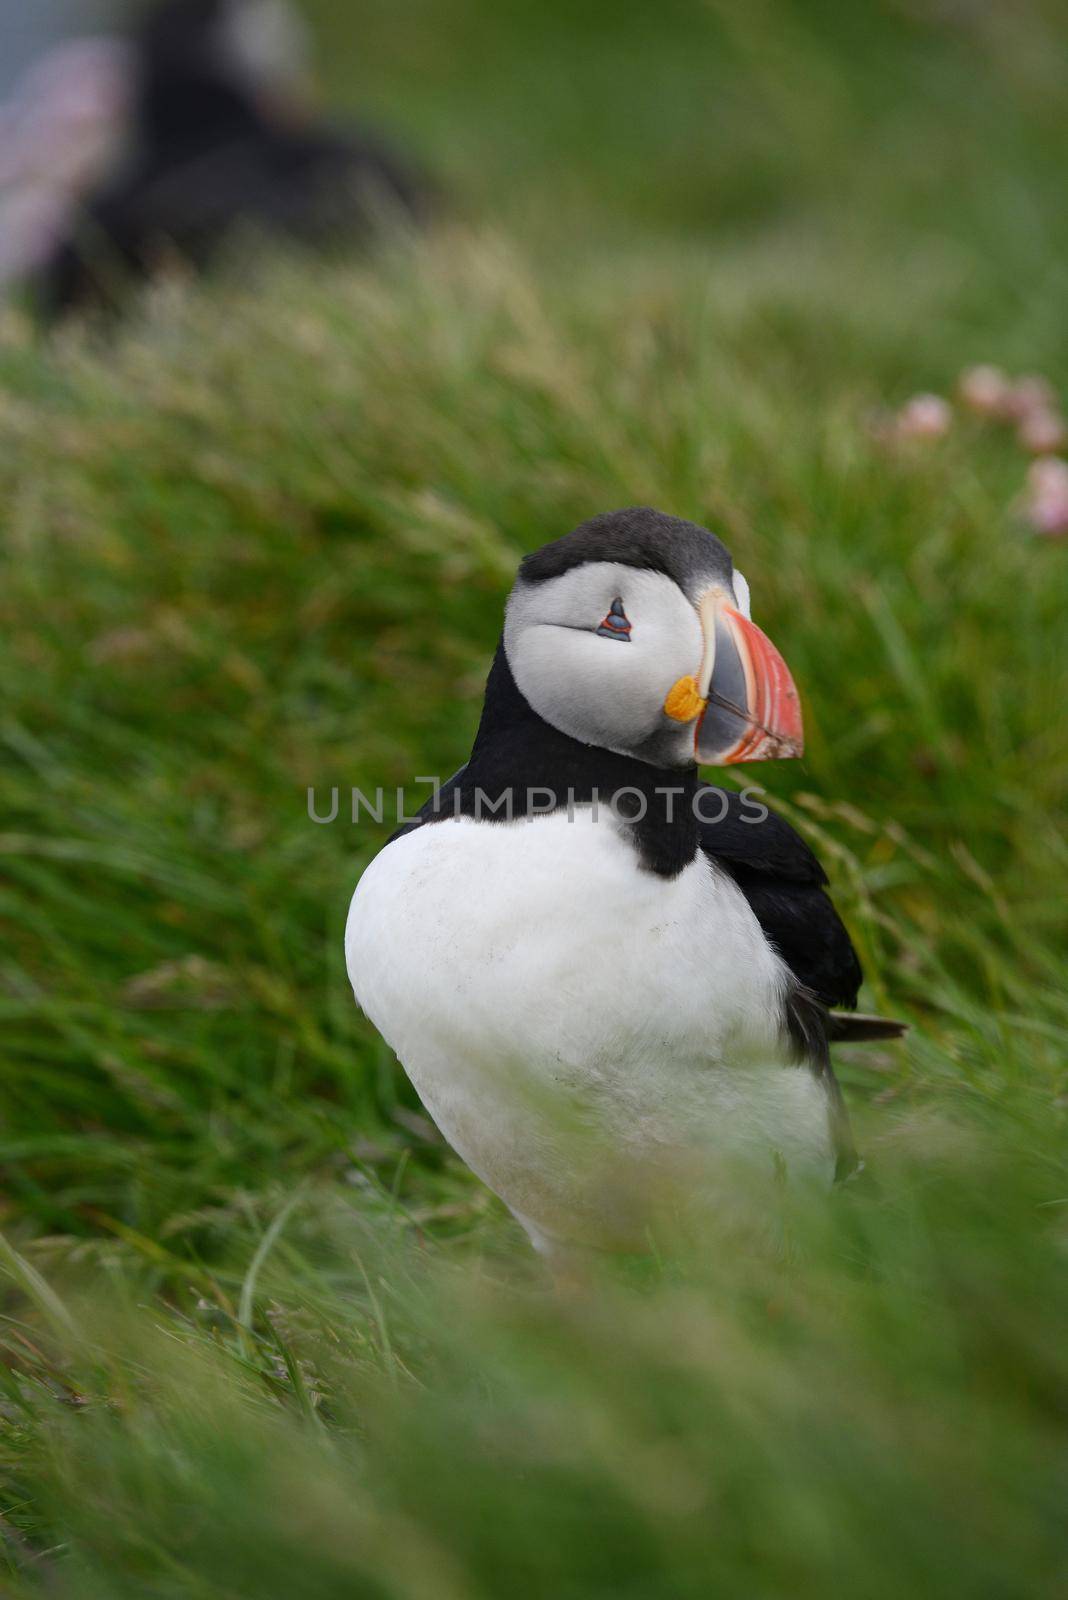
200, 132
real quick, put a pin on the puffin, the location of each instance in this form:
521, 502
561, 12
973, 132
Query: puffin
217, 140
608, 979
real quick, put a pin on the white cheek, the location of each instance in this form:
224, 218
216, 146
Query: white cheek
265, 40
606, 692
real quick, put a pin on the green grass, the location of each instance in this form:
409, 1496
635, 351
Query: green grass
262, 1335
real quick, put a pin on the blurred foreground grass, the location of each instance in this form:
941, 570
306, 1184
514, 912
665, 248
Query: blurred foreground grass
262, 1335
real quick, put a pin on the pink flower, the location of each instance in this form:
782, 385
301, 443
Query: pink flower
1031, 394
925, 416
1043, 432
986, 391
1045, 503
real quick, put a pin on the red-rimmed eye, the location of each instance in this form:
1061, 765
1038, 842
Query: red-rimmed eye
615, 625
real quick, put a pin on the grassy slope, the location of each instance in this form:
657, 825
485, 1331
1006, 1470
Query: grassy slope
263, 544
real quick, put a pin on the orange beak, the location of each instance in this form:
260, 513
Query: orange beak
744, 703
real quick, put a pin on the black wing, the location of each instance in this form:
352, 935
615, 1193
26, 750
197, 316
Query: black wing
785, 887
784, 884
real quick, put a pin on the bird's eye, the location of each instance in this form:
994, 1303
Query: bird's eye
615, 624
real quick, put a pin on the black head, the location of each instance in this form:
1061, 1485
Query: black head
211, 68
642, 538
183, 36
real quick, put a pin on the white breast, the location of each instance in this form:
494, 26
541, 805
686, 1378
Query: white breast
571, 1020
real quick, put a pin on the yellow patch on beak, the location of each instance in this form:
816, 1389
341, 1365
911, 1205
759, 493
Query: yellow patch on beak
684, 702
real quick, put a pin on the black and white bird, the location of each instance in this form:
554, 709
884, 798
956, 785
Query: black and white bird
216, 140
594, 967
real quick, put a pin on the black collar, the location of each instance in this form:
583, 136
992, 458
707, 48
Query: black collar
520, 766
